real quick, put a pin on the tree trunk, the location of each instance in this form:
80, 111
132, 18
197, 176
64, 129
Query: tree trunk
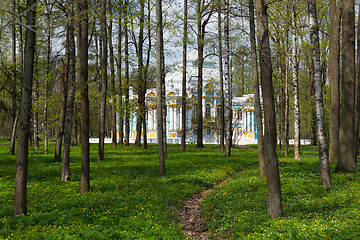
183, 91
127, 107
346, 161
112, 79
319, 106
84, 107
14, 113
200, 44
254, 66
141, 82
228, 102
286, 111
272, 168
159, 83
36, 113
104, 57
46, 143
65, 174
295, 85
20, 204
222, 101
119, 65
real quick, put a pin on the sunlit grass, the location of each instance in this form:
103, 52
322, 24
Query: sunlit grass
239, 209
128, 199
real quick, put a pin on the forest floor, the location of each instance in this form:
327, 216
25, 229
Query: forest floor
203, 196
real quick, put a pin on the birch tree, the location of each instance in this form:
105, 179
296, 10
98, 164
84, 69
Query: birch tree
319, 106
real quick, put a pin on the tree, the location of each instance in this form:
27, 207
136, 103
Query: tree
141, 78
104, 59
228, 92
347, 159
71, 61
112, 77
84, 107
127, 107
119, 65
255, 77
203, 15
296, 85
183, 91
25, 111
222, 101
14, 113
272, 167
334, 77
160, 76
321, 132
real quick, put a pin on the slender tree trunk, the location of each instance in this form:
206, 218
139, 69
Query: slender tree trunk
20, 204
346, 161
127, 107
36, 113
104, 57
119, 65
61, 124
286, 111
112, 78
65, 174
222, 101
46, 143
228, 105
319, 106
272, 167
255, 77
84, 107
141, 82
159, 82
183, 91
200, 44
295, 85
14, 113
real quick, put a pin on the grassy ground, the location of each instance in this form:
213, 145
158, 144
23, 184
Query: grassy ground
238, 210
128, 200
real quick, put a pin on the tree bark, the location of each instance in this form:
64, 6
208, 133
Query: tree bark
159, 88
112, 79
228, 92
119, 65
222, 101
200, 44
84, 107
334, 77
65, 174
346, 161
20, 204
14, 113
295, 85
183, 91
272, 167
254, 66
127, 107
319, 106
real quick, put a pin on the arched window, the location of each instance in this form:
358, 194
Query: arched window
207, 111
218, 111
239, 115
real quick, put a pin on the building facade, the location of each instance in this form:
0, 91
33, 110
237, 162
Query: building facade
244, 121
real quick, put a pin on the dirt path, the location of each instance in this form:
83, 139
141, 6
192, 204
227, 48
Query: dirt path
190, 214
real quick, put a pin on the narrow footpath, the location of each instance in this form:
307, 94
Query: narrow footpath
190, 214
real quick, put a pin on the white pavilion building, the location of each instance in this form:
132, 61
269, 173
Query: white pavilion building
244, 125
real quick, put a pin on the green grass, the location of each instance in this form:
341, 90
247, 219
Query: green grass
238, 210
128, 199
